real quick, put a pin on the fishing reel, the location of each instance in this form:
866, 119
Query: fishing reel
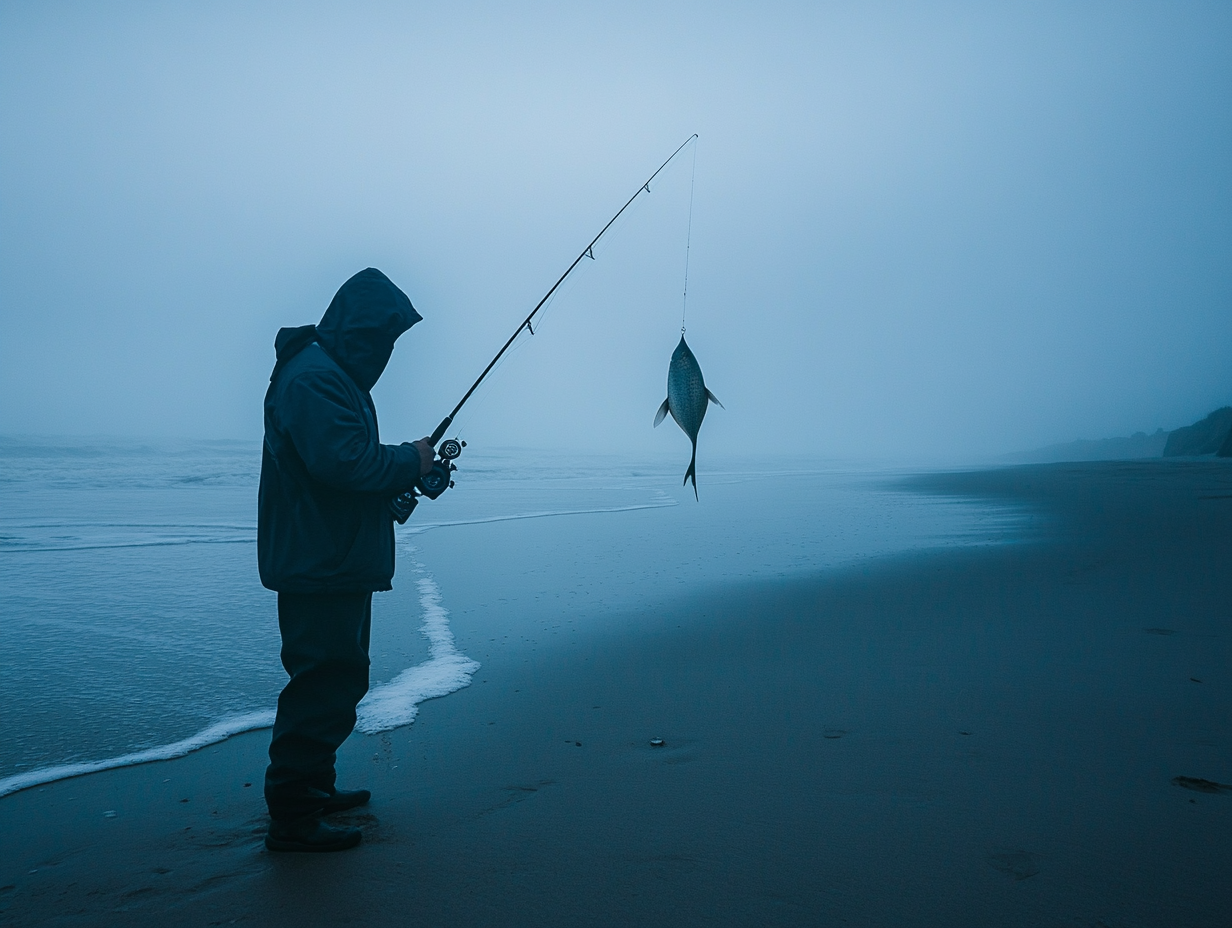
432, 484
439, 478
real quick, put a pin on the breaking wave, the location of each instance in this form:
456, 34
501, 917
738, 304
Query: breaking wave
387, 705
219, 731
396, 703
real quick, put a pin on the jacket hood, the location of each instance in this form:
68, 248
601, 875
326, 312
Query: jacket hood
289, 342
359, 328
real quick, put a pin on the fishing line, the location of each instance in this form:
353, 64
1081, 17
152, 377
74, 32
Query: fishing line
688, 242
588, 252
439, 478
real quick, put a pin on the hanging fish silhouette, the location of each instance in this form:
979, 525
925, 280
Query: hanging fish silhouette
687, 398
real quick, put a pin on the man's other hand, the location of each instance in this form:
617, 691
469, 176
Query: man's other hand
426, 455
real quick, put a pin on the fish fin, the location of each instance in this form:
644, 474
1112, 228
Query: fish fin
692, 472
662, 413
714, 399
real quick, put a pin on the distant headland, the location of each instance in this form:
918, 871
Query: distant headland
1209, 436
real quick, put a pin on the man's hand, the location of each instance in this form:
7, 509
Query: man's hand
426, 454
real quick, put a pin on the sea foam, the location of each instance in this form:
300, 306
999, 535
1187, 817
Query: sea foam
662, 501
387, 706
396, 703
219, 731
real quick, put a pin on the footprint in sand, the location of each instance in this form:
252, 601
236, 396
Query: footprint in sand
516, 794
1016, 863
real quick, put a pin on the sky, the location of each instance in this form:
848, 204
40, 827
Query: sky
918, 230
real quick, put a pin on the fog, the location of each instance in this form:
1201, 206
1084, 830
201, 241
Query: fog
919, 230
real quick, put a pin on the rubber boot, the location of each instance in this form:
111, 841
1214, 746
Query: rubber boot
343, 799
310, 834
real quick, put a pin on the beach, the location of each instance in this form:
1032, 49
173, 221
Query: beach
964, 734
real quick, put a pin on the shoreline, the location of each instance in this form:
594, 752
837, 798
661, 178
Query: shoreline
970, 735
515, 598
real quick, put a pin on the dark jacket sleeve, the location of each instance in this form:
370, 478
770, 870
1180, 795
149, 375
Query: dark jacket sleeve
339, 444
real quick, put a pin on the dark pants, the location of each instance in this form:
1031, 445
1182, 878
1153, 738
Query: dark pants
325, 650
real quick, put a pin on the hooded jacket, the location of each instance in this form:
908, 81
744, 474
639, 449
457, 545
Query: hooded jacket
323, 518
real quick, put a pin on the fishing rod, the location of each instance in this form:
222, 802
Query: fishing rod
439, 479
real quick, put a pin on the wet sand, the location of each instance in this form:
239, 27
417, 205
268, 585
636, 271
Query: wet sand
971, 736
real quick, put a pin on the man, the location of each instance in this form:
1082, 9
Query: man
325, 543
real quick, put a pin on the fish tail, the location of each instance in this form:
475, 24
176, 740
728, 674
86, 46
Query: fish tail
692, 472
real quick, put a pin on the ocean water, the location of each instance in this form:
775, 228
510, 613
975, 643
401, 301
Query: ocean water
136, 627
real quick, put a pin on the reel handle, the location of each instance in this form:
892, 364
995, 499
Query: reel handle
433, 483
403, 505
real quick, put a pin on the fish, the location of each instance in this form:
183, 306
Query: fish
687, 399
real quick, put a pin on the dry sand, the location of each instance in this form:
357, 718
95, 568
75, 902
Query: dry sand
976, 736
